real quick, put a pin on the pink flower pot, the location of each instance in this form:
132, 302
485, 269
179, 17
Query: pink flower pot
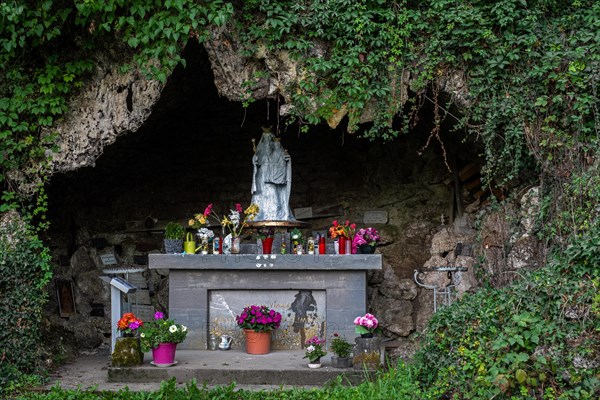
164, 353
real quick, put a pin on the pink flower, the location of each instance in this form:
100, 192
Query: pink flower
158, 315
238, 208
207, 210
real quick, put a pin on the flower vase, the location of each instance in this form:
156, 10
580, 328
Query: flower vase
235, 245
314, 364
257, 342
367, 353
348, 246
341, 362
366, 249
267, 245
164, 354
342, 245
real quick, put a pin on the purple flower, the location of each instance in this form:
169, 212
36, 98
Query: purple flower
133, 325
158, 315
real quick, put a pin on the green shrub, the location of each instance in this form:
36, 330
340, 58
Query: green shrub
527, 340
24, 271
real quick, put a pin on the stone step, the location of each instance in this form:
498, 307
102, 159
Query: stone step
280, 367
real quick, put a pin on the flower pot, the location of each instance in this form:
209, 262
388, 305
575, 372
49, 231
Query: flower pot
267, 245
127, 353
315, 364
257, 342
367, 353
173, 246
366, 249
164, 354
341, 362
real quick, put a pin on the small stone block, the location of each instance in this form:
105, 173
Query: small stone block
375, 217
304, 212
128, 352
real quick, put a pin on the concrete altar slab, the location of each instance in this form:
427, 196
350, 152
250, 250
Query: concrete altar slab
266, 261
194, 279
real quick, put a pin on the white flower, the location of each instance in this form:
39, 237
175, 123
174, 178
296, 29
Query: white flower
142, 334
310, 349
183, 328
173, 329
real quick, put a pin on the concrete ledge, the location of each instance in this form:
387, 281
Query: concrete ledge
266, 261
225, 367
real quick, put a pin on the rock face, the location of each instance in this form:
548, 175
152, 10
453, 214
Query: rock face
193, 152
110, 104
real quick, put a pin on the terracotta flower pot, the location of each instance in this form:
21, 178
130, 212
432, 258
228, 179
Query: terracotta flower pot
257, 342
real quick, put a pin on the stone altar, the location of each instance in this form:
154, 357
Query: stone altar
316, 294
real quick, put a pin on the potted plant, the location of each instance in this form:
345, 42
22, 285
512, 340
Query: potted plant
314, 351
366, 239
173, 240
342, 350
367, 353
257, 323
128, 350
162, 335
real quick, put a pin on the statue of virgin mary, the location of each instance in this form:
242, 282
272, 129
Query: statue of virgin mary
271, 179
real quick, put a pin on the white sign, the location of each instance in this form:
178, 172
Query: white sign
108, 259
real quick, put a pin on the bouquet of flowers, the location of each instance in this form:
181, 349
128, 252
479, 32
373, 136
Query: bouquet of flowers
201, 220
346, 230
128, 324
367, 325
161, 330
234, 221
368, 236
264, 233
205, 233
340, 346
258, 319
314, 351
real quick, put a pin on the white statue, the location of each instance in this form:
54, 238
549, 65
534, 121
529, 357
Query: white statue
271, 179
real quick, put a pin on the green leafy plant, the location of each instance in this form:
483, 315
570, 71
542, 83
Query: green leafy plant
174, 231
25, 270
161, 330
340, 347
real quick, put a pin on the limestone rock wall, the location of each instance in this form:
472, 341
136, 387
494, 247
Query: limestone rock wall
111, 104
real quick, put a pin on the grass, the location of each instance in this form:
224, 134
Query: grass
396, 383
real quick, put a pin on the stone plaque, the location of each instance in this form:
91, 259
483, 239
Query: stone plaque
143, 312
302, 311
302, 213
139, 297
375, 217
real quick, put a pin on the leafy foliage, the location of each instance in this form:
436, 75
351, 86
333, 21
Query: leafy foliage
24, 271
528, 340
531, 69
